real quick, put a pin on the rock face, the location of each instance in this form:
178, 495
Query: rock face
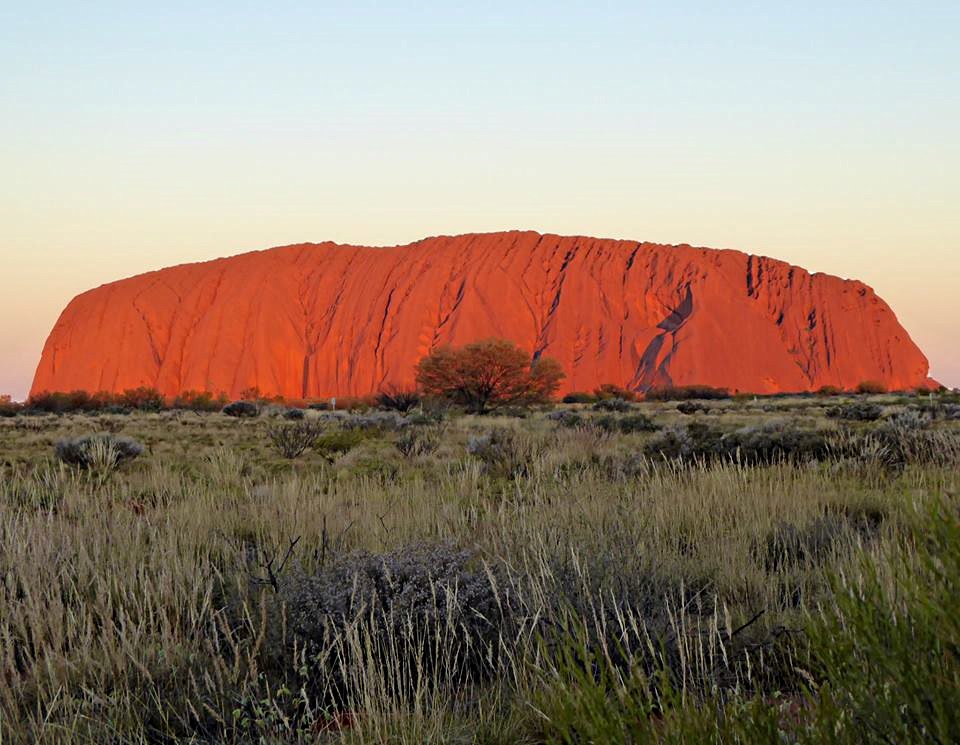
316, 320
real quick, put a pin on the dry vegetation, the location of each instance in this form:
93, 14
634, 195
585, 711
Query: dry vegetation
752, 570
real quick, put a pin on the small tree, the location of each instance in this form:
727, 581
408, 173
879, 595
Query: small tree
250, 394
8, 407
488, 374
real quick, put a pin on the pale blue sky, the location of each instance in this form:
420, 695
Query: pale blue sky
134, 136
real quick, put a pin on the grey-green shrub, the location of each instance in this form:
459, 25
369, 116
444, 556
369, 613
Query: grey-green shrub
789, 545
625, 424
857, 411
503, 452
691, 407
433, 611
292, 439
97, 451
767, 443
333, 444
384, 421
612, 404
242, 409
419, 441
566, 417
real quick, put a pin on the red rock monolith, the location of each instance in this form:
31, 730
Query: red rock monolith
317, 320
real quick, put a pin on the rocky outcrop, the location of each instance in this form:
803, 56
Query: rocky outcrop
323, 319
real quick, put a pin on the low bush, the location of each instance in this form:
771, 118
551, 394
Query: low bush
871, 387
100, 451
332, 445
271, 410
683, 442
60, 402
579, 397
691, 407
199, 401
788, 545
424, 418
609, 390
503, 452
424, 615
897, 445
398, 400
114, 410
909, 419
292, 439
354, 403
375, 467
773, 442
944, 410
857, 411
686, 392
142, 399
419, 441
566, 417
511, 412
242, 409
768, 443
612, 404
625, 424
437, 408
381, 421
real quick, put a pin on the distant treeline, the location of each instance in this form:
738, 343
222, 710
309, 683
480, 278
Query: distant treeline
150, 399
705, 392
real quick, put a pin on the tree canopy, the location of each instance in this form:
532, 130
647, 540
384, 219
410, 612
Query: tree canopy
487, 374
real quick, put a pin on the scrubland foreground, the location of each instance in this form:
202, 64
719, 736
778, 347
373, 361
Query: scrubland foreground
760, 570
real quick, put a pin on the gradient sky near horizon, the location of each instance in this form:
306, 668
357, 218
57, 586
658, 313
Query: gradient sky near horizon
135, 136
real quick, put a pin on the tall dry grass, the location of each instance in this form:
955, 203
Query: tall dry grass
152, 604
